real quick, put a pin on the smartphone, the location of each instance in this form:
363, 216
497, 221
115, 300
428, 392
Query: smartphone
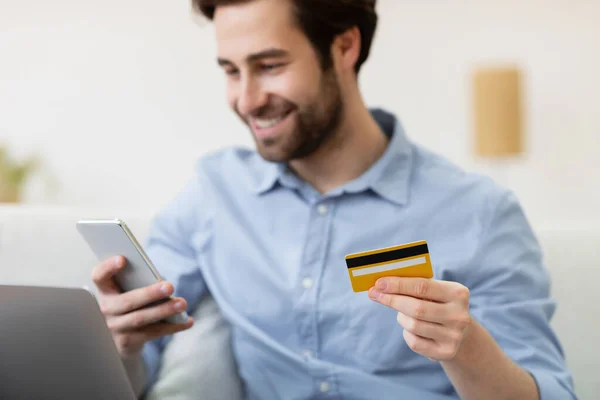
111, 237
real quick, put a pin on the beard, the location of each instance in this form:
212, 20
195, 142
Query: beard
315, 125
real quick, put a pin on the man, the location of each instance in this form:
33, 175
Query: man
266, 233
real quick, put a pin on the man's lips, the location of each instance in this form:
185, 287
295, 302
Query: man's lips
265, 127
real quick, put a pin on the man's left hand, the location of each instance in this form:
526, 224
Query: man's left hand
434, 314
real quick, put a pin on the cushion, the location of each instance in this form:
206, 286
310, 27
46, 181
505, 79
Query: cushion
198, 363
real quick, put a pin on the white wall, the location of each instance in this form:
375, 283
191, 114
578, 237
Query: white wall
121, 97
432, 47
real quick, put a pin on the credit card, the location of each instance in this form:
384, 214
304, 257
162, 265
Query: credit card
406, 260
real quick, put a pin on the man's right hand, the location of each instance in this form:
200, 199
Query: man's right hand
131, 325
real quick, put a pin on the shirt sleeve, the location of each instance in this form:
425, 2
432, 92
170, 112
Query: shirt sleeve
178, 232
510, 297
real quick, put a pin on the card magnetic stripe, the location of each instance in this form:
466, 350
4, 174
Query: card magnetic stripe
387, 256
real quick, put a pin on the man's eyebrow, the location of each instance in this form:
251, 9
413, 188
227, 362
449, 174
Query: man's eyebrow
269, 53
224, 62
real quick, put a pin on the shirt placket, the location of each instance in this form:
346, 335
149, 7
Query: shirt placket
308, 283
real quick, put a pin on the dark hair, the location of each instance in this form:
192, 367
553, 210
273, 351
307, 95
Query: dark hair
321, 21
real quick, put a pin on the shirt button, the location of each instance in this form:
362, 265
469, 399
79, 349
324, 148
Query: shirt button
307, 283
322, 209
307, 354
324, 387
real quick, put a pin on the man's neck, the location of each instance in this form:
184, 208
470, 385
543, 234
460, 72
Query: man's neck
356, 145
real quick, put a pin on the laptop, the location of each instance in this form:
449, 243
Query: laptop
55, 345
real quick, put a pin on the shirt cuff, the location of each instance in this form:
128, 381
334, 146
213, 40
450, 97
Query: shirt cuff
550, 386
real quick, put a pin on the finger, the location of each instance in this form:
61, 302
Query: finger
416, 308
429, 330
132, 342
421, 288
160, 329
103, 273
424, 346
139, 319
135, 299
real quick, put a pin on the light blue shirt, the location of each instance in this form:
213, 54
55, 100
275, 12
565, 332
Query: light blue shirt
270, 249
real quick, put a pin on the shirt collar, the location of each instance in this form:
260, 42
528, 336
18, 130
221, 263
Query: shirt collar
388, 177
271, 174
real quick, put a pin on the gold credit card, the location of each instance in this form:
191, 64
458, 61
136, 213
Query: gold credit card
407, 260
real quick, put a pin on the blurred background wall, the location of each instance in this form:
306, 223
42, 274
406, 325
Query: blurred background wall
119, 98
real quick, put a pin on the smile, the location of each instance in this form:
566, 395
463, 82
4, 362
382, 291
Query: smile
266, 123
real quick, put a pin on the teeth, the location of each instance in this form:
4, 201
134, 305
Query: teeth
267, 123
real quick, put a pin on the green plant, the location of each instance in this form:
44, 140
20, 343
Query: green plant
14, 174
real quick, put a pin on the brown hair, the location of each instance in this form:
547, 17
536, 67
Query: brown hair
321, 21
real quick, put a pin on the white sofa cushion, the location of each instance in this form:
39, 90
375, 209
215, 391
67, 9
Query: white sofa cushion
572, 255
199, 363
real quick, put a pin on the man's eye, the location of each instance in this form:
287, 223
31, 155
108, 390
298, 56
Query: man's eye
232, 72
270, 67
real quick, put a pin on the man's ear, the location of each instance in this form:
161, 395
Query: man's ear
346, 49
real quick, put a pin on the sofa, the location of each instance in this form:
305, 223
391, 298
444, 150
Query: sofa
40, 246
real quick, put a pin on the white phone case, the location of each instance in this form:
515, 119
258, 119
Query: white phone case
109, 238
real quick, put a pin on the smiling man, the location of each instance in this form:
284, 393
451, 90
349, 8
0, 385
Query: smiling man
265, 233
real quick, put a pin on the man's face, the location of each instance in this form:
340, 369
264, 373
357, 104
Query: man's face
275, 82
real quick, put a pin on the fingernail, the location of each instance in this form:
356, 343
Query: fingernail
118, 261
165, 289
381, 284
374, 293
179, 306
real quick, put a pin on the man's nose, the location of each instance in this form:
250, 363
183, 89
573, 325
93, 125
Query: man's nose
251, 97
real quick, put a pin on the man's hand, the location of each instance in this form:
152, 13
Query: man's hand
130, 324
434, 314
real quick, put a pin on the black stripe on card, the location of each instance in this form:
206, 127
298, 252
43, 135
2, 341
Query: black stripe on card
387, 256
